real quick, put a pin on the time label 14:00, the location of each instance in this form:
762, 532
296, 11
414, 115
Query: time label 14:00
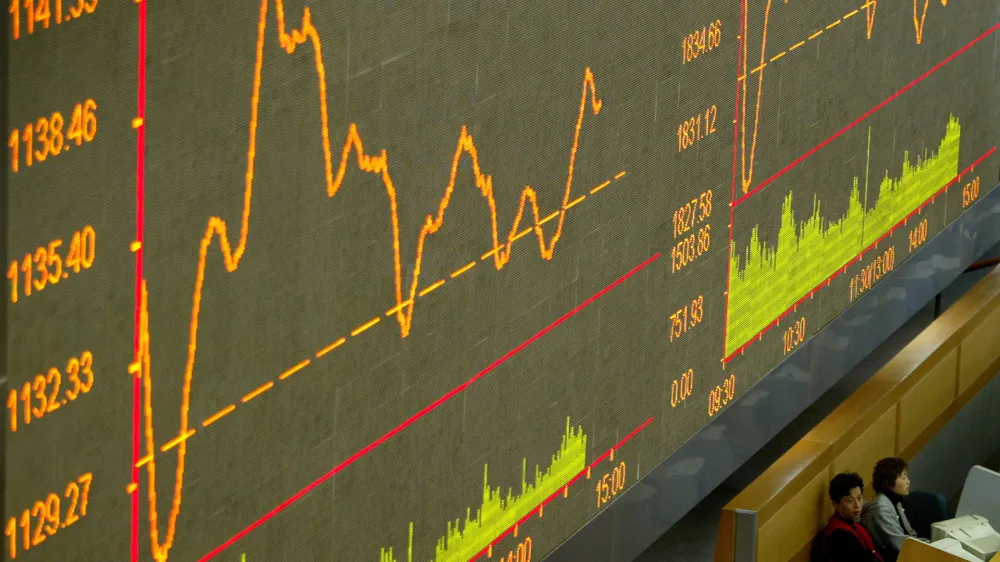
45, 136
38, 13
48, 264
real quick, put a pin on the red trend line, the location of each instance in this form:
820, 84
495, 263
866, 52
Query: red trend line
538, 508
335, 173
431, 407
743, 76
861, 254
870, 7
140, 200
867, 114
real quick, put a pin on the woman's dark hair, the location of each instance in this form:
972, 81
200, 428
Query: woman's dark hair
843, 483
886, 472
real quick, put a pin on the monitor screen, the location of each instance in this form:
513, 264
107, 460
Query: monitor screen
421, 281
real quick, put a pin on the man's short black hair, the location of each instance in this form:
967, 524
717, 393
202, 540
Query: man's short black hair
886, 472
843, 483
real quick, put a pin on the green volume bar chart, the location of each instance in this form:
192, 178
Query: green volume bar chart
767, 280
464, 540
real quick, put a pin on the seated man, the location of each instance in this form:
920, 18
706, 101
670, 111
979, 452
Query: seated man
844, 539
884, 516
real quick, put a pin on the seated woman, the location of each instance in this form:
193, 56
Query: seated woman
884, 516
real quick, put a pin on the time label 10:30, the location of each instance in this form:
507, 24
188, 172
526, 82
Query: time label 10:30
44, 137
47, 517
49, 264
38, 13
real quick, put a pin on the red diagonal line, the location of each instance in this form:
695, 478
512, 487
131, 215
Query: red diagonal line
434, 405
867, 114
860, 255
555, 494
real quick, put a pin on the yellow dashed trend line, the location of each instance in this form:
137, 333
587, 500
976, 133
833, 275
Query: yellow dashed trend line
801, 43
462, 270
218, 415
363, 327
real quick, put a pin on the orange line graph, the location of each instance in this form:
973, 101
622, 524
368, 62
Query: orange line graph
746, 175
918, 25
377, 164
747, 158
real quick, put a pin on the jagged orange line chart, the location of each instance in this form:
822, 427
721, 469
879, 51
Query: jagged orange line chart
748, 156
732, 347
444, 240
378, 165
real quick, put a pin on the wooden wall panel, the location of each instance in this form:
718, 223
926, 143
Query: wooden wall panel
796, 523
925, 401
980, 350
877, 442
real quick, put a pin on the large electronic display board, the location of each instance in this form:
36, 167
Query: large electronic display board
421, 281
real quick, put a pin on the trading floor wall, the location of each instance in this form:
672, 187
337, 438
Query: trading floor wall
412, 281
971, 437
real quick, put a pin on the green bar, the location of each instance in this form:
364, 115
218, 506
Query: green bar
464, 539
765, 281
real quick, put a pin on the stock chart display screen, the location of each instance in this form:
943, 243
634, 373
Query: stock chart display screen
437, 281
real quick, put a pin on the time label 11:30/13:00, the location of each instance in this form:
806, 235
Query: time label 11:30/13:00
47, 517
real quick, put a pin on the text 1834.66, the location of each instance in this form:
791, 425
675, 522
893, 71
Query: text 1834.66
701, 41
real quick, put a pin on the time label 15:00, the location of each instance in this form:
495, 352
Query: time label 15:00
611, 484
45, 393
49, 516
45, 136
38, 13
48, 264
